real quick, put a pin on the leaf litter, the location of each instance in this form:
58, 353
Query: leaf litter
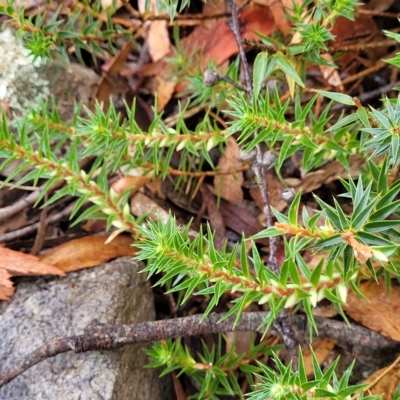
15, 263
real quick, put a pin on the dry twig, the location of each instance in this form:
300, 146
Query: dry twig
9, 236
99, 336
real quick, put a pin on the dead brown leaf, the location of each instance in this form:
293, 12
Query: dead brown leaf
380, 312
386, 379
94, 225
6, 286
159, 45
362, 29
21, 264
229, 186
179, 391
142, 204
165, 89
155, 187
106, 87
241, 221
214, 7
15, 263
134, 183
215, 41
331, 74
277, 10
158, 40
157, 34
220, 48
88, 251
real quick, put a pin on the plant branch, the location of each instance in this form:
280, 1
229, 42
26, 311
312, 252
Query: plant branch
329, 50
236, 32
99, 336
34, 30
233, 83
85, 186
259, 171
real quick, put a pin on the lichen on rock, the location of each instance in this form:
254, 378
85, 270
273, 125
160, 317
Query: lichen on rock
25, 80
20, 80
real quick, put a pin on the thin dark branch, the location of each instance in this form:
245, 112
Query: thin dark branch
233, 83
259, 171
20, 204
257, 166
236, 32
107, 336
331, 49
264, 47
9, 236
281, 324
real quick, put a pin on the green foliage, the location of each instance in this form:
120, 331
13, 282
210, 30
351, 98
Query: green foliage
216, 371
80, 27
362, 242
187, 69
396, 59
396, 394
384, 138
171, 7
284, 384
318, 141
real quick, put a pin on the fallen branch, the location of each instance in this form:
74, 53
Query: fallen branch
99, 336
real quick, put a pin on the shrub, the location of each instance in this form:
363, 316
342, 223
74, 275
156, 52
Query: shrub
259, 120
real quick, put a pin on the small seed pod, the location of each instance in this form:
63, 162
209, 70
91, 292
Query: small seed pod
248, 156
268, 158
287, 195
210, 77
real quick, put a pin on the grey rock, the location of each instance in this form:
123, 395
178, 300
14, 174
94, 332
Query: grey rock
25, 81
46, 308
